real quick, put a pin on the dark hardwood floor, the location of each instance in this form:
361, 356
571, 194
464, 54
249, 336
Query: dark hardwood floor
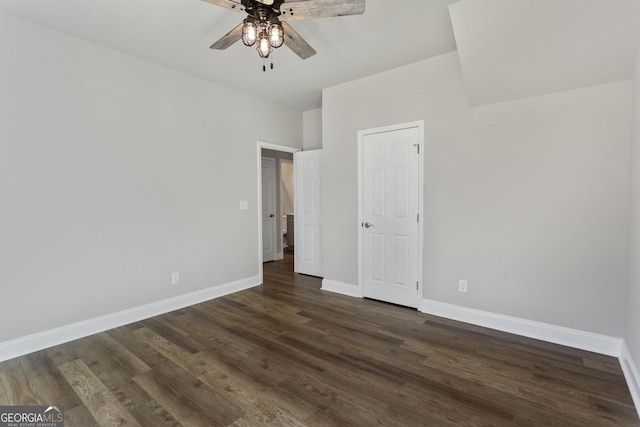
288, 354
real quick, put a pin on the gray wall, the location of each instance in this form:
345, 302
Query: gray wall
114, 173
632, 332
312, 132
527, 200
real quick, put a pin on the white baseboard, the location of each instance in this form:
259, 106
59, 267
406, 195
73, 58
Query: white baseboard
602, 344
341, 288
631, 374
38, 341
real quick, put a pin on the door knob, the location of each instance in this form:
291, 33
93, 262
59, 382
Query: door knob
367, 225
271, 216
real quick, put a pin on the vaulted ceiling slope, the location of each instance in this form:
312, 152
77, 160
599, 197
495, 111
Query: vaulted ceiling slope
511, 49
178, 33
508, 49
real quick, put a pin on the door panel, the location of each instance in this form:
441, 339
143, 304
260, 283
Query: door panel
269, 231
308, 247
309, 257
390, 186
377, 258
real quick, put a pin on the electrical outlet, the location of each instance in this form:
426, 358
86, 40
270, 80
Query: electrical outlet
462, 285
175, 278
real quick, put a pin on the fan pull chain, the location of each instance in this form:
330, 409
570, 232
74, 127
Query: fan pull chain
264, 65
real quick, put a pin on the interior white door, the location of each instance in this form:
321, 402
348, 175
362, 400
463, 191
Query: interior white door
390, 197
309, 256
268, 209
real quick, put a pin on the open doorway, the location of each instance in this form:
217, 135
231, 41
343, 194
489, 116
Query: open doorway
276, 201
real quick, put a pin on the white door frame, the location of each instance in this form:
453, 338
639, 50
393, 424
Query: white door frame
268, 146
361, 134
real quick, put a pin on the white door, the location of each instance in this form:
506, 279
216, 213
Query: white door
390, 208
268, 209
309, 257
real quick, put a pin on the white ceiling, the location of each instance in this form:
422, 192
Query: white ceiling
178, 33
509, 49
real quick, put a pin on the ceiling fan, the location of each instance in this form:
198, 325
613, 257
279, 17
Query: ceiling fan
266, 24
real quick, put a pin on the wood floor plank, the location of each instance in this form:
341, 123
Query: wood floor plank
79, 416
49, 385
5, 399
143, 351
175, 402
176, 354
17, 384
182, 373
63, 353
108, 411
511, 382
80, 377
143, 407
288, 354
100, 402
164, 326
110, 361
243, 393
244, 387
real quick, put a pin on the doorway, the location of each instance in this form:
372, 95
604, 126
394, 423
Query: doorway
272, 218
390, 210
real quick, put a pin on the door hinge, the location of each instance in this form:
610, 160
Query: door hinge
417, 286
417, 147
417, 217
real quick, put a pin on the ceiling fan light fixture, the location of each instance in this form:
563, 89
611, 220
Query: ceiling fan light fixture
276, 35
262, 25
264, 47
249, 33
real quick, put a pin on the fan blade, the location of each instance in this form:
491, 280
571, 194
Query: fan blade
229, 4
307, 9
296, 43
267, 2
228, 39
